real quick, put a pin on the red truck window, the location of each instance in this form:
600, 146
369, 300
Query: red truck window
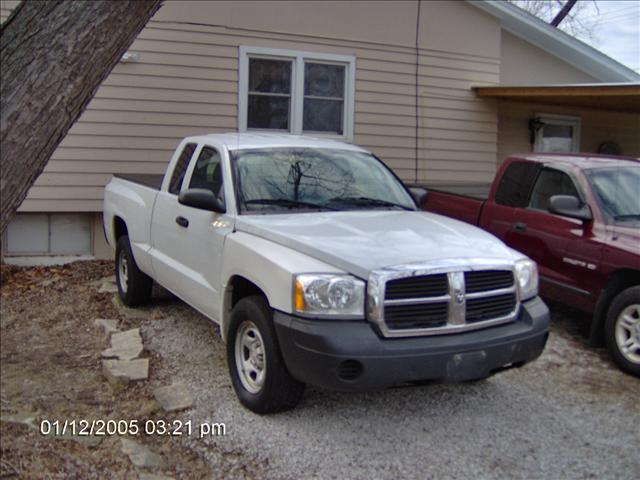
181, 168
516, 183
551, 182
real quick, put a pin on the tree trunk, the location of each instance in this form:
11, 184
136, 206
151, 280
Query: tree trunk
54, 55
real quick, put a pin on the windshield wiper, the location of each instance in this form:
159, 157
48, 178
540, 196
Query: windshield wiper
632, 216
285, 202
377, 202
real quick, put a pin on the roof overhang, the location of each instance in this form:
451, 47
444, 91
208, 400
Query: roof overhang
622, 97
553, 40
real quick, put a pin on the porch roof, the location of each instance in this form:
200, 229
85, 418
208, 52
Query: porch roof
623, 97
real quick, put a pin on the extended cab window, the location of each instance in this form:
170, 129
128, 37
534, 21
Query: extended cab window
181, 168
551, 182
207, 172
516, 184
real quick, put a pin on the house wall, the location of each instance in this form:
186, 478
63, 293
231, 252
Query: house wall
596, 126
187, 78
524, 64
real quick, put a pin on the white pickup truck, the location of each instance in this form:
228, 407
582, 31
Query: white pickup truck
319, 267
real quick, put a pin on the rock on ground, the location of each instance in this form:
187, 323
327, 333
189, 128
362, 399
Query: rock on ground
108, 325
123, 371
140, 455
173, 397
125, 345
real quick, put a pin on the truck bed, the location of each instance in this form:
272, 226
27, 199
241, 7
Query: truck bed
479, 191
463, 201
146, 179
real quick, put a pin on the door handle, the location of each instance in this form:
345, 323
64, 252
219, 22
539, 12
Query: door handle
520, 226
183, 222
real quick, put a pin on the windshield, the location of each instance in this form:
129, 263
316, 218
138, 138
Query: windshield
315, 178
617, 190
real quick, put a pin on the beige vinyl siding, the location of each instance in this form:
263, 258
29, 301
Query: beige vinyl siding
596, 126
526, 64
186, 84
6, 6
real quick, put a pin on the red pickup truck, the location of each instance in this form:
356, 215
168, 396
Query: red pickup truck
578, 217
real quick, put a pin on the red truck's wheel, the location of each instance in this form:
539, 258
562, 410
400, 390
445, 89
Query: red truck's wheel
622, 330
258, 373
134, 286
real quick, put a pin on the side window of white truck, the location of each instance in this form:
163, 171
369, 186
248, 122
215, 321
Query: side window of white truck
181, 168
207, 172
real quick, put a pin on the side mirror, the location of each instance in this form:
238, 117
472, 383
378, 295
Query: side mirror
570, 206
419, 195
202, 199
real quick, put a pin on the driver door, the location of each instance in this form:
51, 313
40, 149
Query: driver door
198, 236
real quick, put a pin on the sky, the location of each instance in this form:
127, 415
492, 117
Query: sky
617, 29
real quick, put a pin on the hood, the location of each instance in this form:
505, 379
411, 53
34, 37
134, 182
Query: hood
361, 241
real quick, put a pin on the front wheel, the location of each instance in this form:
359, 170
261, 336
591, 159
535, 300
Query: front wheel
258, 373
134, 286
622, 330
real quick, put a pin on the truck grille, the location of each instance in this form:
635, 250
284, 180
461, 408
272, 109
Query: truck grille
479, 309
447, 302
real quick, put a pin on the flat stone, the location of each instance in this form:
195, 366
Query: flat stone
108, 288
109, 279
124, 371
139, 454
173, 397
108, 325
21, 418
125, 345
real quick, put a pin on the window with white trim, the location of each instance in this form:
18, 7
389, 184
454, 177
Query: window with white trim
296, 92
557, 133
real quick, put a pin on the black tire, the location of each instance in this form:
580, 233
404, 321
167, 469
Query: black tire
626, 301
135, 287
278, 390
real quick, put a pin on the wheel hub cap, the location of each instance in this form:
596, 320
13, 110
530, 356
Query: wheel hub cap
123, 272
250, 358
627, 333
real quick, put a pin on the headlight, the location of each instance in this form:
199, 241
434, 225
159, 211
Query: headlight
328, 294
527, 278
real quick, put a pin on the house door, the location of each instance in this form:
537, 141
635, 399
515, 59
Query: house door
558, 133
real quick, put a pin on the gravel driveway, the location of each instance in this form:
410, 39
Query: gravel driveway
570, 414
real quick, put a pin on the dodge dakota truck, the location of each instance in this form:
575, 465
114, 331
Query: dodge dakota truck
320, 269
578, 217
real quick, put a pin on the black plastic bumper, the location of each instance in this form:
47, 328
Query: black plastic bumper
351, 356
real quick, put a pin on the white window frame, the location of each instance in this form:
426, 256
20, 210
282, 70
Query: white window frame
555, 119
298, 58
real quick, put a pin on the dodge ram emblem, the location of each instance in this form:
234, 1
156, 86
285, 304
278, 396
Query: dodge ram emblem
459, 297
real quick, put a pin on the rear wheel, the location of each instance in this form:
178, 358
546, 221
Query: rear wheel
258, 373
134, 286
622, 330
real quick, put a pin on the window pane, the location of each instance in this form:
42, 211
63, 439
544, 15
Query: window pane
70, 233
516, 183
561, 131
322, 116
181, 168
557, 138
269, 76
268, 112
551, 182
28, 233
207, 172
323, 80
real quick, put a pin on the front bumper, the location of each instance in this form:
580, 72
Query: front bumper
351, 356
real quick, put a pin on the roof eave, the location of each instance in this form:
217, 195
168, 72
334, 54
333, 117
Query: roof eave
557, 43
